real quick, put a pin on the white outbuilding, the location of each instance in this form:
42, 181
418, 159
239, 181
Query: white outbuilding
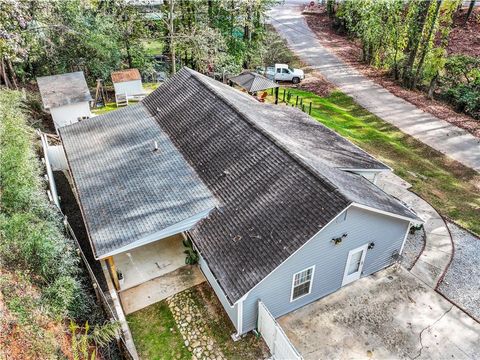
128, 84
66, 97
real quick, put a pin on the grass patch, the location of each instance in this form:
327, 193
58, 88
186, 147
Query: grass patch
156, 334
153, 47
103, 110
453, 189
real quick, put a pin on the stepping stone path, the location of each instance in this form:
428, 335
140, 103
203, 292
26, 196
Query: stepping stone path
191, 324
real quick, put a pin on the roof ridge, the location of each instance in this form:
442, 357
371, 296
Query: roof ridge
295, 157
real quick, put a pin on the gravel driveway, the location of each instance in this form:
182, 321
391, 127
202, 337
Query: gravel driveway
461, 283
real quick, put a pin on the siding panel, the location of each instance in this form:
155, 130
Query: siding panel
362, 227
231, 311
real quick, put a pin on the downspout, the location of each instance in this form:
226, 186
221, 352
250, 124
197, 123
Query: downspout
405, 238
239, 332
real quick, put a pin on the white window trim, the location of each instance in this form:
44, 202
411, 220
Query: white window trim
309, 288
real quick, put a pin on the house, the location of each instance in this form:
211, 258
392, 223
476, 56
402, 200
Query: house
280, 208
66, 97
128, 83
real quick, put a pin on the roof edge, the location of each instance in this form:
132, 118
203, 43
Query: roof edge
415, 217
171, 230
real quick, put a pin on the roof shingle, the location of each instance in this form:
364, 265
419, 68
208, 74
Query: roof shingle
274, 198
127, 191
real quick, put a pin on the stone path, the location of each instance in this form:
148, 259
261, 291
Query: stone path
438, 134
191, 324
438, 251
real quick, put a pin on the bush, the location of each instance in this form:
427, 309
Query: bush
33, 240
460, 84
465, 98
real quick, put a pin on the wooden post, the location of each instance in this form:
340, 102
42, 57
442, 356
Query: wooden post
301, 101
284, 90
310, 108
276, 95
296, 102
113, 272
303, 108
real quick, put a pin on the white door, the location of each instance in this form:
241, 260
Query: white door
353, 269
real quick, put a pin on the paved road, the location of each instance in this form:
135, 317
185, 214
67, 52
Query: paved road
439, 134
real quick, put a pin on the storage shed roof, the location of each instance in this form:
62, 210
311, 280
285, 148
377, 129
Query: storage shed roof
125, 75
253, 82
63, 89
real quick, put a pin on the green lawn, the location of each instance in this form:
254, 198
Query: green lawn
156, 335
103, 110
153, 47
450, 187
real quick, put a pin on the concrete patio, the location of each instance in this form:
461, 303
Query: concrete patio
150, 261
154, 272
389, 315
160, 288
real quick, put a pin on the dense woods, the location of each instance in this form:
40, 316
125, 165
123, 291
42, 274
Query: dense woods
409, 39
99, 36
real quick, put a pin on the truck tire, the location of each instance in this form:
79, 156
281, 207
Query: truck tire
296, 80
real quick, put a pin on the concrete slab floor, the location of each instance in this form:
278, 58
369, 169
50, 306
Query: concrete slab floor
150, 261
160, 288
389, 315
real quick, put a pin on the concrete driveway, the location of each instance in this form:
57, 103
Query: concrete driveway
390, 315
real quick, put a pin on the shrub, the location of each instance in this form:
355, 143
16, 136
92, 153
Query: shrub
31, 229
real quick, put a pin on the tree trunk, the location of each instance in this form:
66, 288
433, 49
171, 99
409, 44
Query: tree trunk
210, 12
426, 42
3, 74
129, 55
172, 43
414, 36
433, 85
470, 10
13, 76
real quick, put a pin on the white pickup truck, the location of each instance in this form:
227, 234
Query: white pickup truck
281, 72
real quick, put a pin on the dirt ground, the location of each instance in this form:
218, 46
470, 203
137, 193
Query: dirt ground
463, 39
389, 315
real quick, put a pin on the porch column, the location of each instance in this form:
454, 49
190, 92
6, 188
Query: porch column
113, 272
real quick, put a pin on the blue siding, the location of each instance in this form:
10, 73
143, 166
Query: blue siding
231, 311
362, 227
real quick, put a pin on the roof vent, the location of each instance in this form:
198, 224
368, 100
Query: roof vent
155, 146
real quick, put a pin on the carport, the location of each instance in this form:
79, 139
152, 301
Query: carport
391, 314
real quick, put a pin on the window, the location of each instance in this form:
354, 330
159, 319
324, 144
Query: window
285, 71
302, 283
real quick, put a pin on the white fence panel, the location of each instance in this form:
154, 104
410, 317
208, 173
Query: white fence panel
280, 346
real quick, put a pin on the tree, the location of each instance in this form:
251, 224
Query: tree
470, 10
415, 31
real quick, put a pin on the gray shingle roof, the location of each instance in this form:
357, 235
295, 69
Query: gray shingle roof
63, 89
253, 82
275, 196
127, 191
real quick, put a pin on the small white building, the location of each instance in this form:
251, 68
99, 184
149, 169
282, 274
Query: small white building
128, 83
66, 97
